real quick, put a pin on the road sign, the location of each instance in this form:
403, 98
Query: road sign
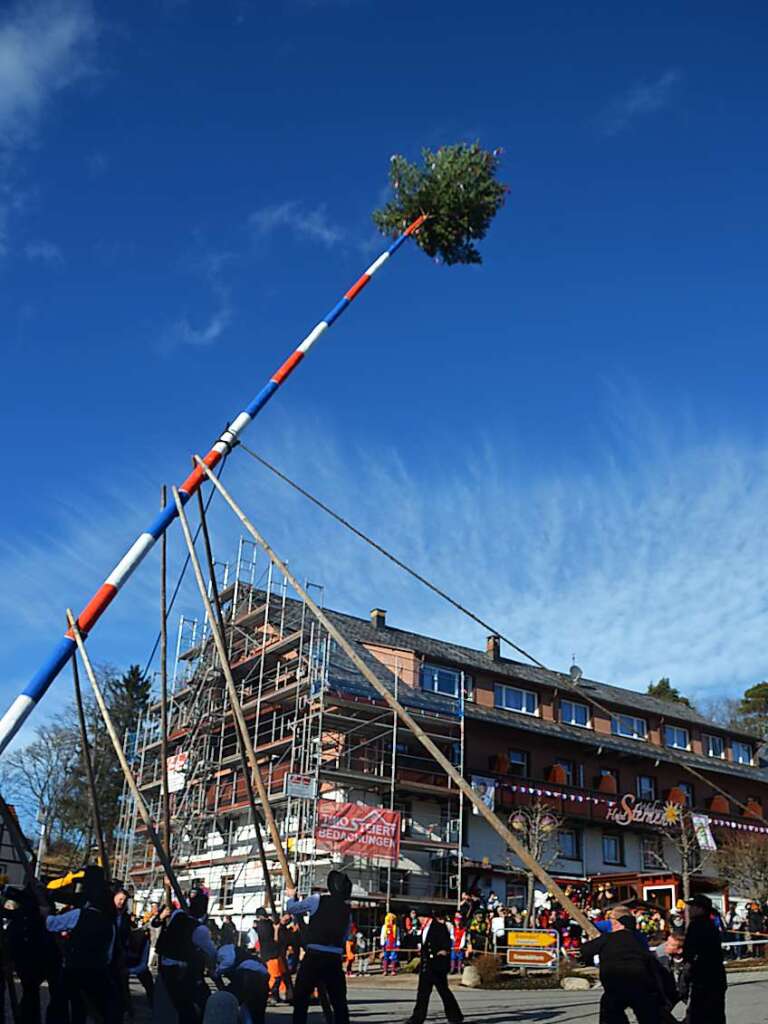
534, 937
545, 958
533, 947
301, 786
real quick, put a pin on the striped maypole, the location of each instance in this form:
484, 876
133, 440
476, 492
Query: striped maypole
23, 704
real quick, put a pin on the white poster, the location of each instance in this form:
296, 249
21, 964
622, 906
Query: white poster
177, 767
485, 789
703, 830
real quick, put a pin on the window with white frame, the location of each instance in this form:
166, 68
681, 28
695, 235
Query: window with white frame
646, 787
742, 752
439, 679
629, 726
714, 746
573, 713
676, 736
511, 698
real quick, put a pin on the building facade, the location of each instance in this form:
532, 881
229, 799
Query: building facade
610, 767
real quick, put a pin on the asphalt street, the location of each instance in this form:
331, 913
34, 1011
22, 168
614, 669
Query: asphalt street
381, 1004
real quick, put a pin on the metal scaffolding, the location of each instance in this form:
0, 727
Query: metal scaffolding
309, 713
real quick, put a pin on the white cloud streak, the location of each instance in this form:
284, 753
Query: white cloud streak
199, 335
310, 225
639, 101
651, 564
44, 47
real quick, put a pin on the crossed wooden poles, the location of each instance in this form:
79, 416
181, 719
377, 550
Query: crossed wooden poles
251, 769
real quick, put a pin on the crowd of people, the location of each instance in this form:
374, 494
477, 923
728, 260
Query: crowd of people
87, 953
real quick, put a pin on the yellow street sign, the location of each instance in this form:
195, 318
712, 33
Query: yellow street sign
531, 938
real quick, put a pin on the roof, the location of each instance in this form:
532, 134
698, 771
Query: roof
344, 677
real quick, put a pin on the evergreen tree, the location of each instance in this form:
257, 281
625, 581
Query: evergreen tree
457, 188
753, 709
664, 690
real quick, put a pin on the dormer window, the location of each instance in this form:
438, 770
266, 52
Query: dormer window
442, 680
512, 698
714, 746
629, 726
573, 713
676, 736
742, 752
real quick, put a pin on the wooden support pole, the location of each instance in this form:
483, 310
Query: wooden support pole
506, 834
88, 765
164, 695
234, 699
141, 806
258, 821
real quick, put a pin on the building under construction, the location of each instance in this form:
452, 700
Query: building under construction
319, 735
618, 772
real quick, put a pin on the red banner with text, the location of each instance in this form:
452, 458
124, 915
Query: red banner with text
358, 830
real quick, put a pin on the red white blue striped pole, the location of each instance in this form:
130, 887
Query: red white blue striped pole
24, 703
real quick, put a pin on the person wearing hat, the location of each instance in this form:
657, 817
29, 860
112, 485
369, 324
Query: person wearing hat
627, 971
89, 950
435, 964
185, 949
324, 938
703, 969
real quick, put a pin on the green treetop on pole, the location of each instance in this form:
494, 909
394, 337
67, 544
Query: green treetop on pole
457, 188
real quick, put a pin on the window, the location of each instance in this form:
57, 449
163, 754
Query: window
686, 789
569, 842
652, 852
628, 725
714, 745
646, 787
574, 773
613, 848
226, 891
742, 752
572, 713
516, 895
438, 679
677, 737
512, 699
518, 763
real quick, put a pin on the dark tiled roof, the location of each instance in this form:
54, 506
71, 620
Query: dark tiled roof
345, 677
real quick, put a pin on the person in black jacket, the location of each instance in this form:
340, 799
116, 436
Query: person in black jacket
185, 949
89, 949
703, 967
36, 958
433, 971
627, 973
323, 940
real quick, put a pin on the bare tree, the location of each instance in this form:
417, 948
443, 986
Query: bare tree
742, 858
537, 827
689, 859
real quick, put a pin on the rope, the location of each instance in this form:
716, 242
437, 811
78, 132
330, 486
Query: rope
567, 682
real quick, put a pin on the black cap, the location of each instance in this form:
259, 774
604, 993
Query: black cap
701, 901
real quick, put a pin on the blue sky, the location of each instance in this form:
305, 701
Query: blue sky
571, 437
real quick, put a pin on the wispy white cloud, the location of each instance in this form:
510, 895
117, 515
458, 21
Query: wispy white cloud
43, 252
642, 99
650, 564
44, 47
311, 224
97, 163
187, 331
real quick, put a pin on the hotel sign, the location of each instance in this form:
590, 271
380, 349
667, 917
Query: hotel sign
632, 811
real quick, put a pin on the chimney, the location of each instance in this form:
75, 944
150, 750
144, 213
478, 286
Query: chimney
493, 647
378, 618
